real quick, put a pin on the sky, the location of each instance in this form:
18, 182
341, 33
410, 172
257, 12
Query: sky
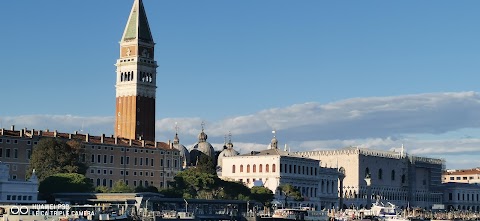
322, 74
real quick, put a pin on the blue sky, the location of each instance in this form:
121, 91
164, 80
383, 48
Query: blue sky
324, 74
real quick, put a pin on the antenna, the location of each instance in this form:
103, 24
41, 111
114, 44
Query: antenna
229, 136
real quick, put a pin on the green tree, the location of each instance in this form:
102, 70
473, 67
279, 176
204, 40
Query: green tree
64, 183
121, 187
51, 156
205, 164
194, 183
262, 195
102, 189
290, 191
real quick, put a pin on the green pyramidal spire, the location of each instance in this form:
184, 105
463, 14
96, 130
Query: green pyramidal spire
137, 25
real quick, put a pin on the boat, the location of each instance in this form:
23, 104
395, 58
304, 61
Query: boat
300, 214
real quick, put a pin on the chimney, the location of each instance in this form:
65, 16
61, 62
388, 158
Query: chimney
87, 138
130, 142
116, 140
76, 132
169, 142
21, 132
55, 133
12, 128
156, 144
70, 136
39, 133
102, 139
2, 132
143, 143
33, 132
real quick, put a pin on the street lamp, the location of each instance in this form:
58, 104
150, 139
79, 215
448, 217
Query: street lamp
368, 180
186, 205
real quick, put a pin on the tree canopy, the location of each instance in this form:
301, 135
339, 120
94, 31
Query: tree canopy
290, 191
121, 187
52, 156
262, 195
64, 183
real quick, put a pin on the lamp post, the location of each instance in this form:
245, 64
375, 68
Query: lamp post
186, 205
341, 177
368, 180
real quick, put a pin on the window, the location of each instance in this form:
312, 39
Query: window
121, 172
273, 168
267, 168
464, 178
380, 174
458, 178
241, 168
105, 159
248, 168
141, 161
15, 153
93, 158
121, 160
127, 161
1, 152
254, 168
367, 172
452, 178
233, 169
111, 159
104, 171
260, 168
7, 153
1, 140
92, 171
99, 158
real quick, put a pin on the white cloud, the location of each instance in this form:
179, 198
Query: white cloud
374, 122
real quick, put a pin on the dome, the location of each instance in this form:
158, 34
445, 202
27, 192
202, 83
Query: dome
206, 148
273, 143
202, 137
183, 150
227, 152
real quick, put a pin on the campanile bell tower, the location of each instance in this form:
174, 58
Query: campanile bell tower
136, 79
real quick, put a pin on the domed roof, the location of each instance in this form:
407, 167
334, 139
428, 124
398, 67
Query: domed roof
205, 147
273, 143
228, 151
183, 150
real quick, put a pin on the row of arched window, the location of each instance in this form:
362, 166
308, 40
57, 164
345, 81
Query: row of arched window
126, 76
129, 76
254, 168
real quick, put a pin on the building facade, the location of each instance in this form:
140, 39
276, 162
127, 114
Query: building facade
136, 79
273, 167
462, 176
461, 196
15, 191
393, 176
136, 162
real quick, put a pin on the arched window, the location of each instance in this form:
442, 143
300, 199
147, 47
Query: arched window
260, 168
367, 172
254, 168
98, 181
393, 174
267, 168
248, 168
403, 178
233, 169
380, 174
121, 77
273, 168
241, 168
